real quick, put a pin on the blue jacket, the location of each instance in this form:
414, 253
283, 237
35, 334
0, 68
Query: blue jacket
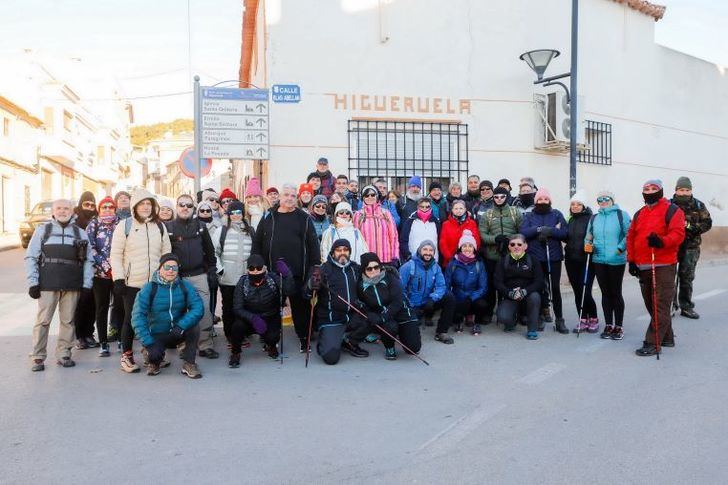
420, 284
529, 228
392, 208
467, 281
610, 240
167, 309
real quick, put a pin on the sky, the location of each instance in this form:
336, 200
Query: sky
143, 44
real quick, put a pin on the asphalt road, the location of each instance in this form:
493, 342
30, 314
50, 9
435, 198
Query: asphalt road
490, 409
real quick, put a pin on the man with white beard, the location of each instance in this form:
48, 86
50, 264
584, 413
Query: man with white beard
408, 204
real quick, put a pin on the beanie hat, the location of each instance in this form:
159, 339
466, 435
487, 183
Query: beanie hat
343, 206
580, 197
369, 188
467, 238
319, 199
119, 194
323, 160
86, 197
227, 194
424, 243
367, 258
339, 243
253, 188
107, 200
684, 183
271, 190
657, 182
504, 181
528, 181
435, 185
255, 260
485, 183
235, 205
305, 188
204, 205
500, 190
207, 193
415, 180
458, 201
605, 193
313, 175
542, 192
166, 202
168, 257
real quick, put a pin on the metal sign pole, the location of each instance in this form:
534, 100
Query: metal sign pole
573, 121
198, 136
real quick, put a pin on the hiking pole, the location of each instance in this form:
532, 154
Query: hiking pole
583, 293
548, 268
654, 306
310, 327
280, 290
675, 303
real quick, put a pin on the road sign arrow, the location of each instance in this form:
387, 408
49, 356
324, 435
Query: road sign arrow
260, 122
260, 107
260, 151
260, 136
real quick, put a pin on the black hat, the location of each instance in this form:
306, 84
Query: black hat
340, 242
486, 183
435, 185
500, 190
504, 181
168, 257
235, 205
255, 260
367, 258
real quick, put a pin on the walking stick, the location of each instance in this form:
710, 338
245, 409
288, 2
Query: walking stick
310, 327
583, 293
675, 303
548, 267
654, 306
280, 290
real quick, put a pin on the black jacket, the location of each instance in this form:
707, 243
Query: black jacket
336, 280
290, 236
192, 244
264, 299
574, 250
384, 301
523, 273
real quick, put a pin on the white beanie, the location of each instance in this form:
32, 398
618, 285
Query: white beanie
467, 238
341, 206
605, 193
580, 197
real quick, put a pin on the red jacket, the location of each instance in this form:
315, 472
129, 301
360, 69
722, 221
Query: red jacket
652, 219
450, 235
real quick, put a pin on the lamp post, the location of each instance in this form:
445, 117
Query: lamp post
538, 60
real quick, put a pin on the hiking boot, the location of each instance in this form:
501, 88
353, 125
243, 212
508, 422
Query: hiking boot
153, 369
689, 313
127, 363
444, 338
429, 322
546, 315
209, 353
476, 329
66, 362
272, 351
617, 334
390, 353
104, 350
305, 347
145, 360
81, 344
607, 333
354, 349
38, 365
646, 350
560, 326
582, 327
91, 342
234, 361
469, 320
531, 335
190, 370
593, 325
667, 343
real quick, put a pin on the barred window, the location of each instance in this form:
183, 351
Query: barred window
597, 143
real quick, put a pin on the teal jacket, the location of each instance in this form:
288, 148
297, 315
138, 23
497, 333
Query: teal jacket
610, 240
172, 305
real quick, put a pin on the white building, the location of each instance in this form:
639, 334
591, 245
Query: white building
400, 87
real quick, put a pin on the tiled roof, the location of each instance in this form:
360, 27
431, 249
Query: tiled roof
653, 10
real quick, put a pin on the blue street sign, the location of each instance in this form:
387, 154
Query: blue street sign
286, 93
235, 93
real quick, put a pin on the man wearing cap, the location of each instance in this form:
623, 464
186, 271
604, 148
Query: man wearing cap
486, 200
325, 175
122, 201
653, 240
408, 204
440, 207
506, 184
697, 222
273, 196
339, 327
166, 313
526, 195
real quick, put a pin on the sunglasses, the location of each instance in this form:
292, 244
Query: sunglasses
485, 188
320, 206
188, 206
370, 194
213, 199
499, 196
515, 244
226, 201
170, 267
205, 211
603, 199
372, 268
255, 268
343, 213
88, 205
107, 206
236, 213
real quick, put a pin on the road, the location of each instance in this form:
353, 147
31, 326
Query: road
490, 409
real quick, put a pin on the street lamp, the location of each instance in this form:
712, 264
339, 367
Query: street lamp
538, 60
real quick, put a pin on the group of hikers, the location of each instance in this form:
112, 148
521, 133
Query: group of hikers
353, 265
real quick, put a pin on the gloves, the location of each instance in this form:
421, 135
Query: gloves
429, 307
315, 280
34, 292
634, 270
512, 294
501, 239
655, 241
522, 293
119, 287
259, 325
177, 332
546, 230
282, 268
156, 352
588, 248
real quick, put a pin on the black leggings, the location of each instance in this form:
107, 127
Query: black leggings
300, 313
228, 314
610, 279
85, 315
555, 288
575, 272
467, 307
127, 331
102, 297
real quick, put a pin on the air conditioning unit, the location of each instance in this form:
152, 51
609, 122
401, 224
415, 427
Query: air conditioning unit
553, 119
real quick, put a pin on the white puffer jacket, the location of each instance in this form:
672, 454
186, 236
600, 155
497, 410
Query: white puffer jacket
233, 258
135, 257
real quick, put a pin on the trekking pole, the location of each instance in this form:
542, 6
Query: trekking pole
654, 306
675, 303
310, 327
280, 290
583, 293
548, 268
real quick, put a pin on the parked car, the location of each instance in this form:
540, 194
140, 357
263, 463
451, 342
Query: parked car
40, 213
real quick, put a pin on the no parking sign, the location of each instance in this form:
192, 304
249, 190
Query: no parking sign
188, 163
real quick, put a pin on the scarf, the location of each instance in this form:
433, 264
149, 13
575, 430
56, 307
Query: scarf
367, 281
424, 216
542, 208
652, 198
466, 259
256, 279
107, 219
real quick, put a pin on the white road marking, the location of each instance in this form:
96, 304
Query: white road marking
709, 294
459, 430
541, 374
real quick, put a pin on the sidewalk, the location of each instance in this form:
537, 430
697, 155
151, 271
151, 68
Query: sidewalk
9, 240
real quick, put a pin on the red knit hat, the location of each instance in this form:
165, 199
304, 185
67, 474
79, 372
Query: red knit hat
227, 194
107, 200
271, 190
305, 188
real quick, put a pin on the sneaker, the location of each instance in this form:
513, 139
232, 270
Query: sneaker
91, 342
582, 327
617, 334
66, 362
444, 338
272, 351
469, 320
607, 333
689, 313
390, 353
153, 370
234, 361
593, 325
429, 322
476, 329
145, 360
209, 353
372, 338
81, 344
646, 350
127, 363
532, 335
190, 370
354, 349
304, 346
546, 315
104, 350
38, 365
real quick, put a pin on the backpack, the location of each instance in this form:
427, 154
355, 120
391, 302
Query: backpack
620, 218
668, 215
49, 228
127, 228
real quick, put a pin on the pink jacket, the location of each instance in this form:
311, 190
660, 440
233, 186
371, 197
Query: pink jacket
379, 231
